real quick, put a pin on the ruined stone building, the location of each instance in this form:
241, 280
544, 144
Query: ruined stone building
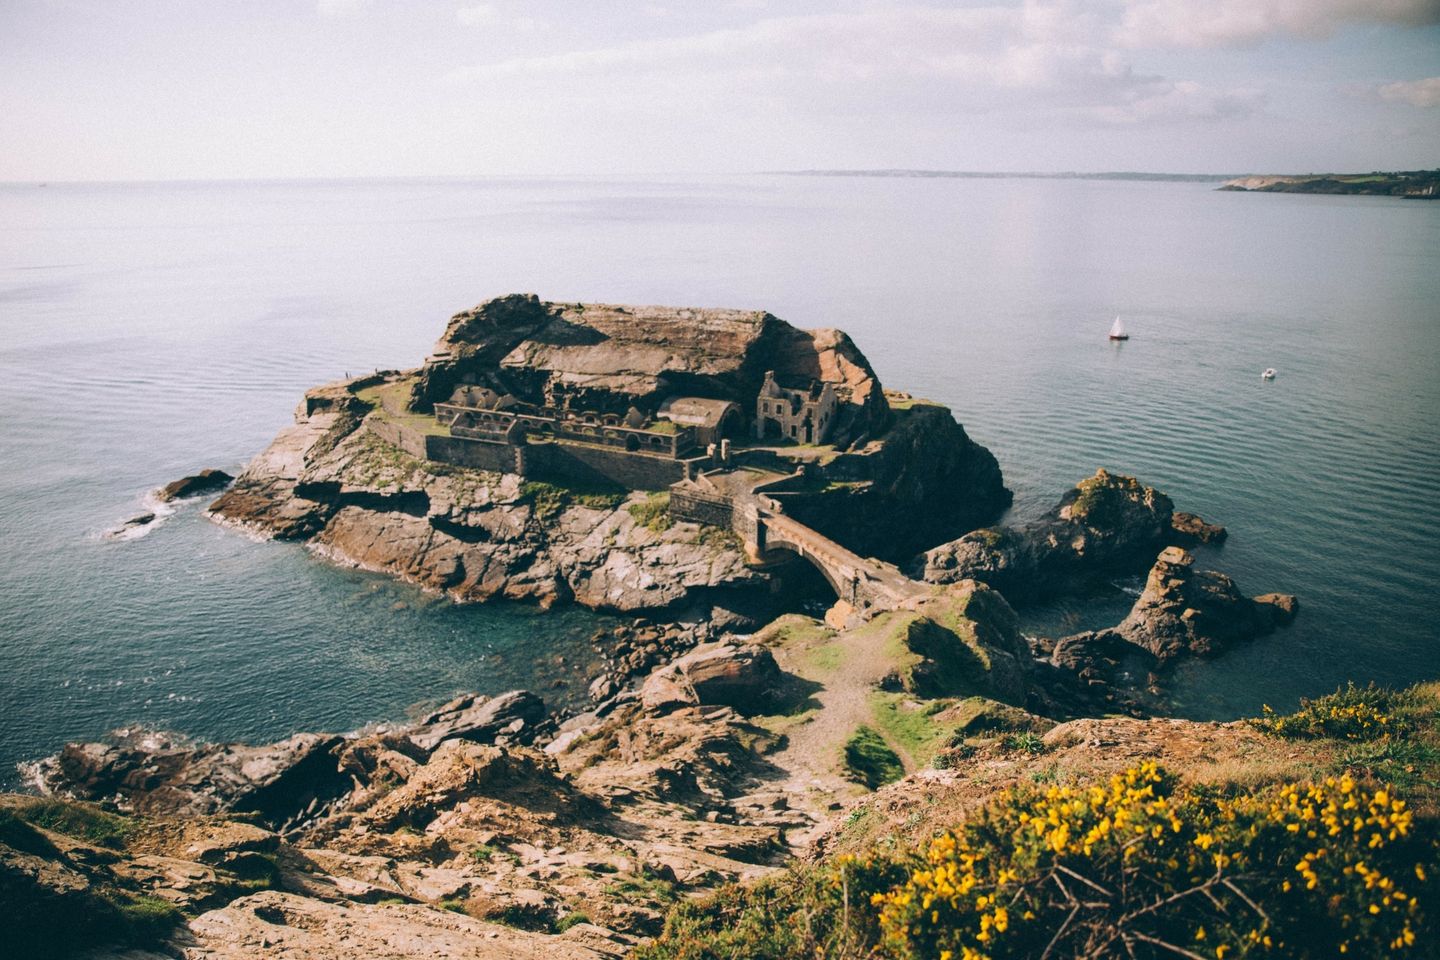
784, 413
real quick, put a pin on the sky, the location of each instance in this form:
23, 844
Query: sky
220, 89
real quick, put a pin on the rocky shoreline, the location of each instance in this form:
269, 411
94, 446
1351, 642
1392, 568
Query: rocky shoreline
727, 735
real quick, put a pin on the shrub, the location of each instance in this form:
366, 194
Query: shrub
1141, 866
1026, 742
869, 759
1352, 713
1138, 866
801, 915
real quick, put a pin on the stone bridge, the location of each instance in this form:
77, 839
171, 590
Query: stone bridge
867, 584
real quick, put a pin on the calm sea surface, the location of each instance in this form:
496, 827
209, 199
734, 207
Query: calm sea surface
150, 330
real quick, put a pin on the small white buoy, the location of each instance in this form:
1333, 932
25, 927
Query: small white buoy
1268, 374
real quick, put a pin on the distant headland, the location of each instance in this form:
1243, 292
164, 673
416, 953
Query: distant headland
1411, 184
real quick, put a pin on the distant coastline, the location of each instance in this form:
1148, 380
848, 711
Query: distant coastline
1411, 184
1013, 175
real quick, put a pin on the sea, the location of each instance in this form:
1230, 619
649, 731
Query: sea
148, 330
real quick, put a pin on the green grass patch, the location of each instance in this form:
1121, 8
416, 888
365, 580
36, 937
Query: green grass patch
547, 500
570, 920
910, 724
83, 821
653, 513
869, 759
642, 888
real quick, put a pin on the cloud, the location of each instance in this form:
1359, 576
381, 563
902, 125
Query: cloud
476, 15
1041, 59
1210, 23
340, 8
1417, 93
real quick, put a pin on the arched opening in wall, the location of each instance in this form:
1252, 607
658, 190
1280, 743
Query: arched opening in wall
632, 442
803, 588
729, 426
773, 430
807, 431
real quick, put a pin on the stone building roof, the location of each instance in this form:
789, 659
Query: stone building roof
697, 411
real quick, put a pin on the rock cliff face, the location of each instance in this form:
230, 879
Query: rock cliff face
608, 358
930, 482
472, 534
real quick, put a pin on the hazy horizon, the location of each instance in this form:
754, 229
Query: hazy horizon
323, 89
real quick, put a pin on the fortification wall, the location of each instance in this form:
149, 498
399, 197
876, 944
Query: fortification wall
406, 438
477, 454
599, 465
696, 507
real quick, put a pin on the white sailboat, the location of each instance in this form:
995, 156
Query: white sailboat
1117, 330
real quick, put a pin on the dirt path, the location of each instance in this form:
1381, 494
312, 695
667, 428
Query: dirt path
852, 666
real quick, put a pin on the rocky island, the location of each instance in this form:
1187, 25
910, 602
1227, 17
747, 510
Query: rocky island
740, 763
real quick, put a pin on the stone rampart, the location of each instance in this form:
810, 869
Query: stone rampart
696, 507
580, 463
410, 440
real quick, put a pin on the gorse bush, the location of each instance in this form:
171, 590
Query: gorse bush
1354, 713
1139, 867
1136, 867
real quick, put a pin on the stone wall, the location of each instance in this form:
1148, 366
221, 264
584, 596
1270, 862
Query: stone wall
698, 507
578, 463
410, 440
476, 454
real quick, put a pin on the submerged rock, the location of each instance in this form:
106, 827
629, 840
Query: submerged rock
206, 481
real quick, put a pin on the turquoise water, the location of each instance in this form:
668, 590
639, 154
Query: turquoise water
149, 330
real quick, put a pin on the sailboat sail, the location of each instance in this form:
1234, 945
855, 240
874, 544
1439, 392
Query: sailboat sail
1117, 330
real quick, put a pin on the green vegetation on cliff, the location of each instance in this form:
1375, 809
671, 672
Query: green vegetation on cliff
1142, 863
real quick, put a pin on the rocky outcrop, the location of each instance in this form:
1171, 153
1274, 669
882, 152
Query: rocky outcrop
285, 784
1190, 529
1188, 612
352, 476
206, 481
718, 674
965, 642
928, 481
1182, 612
608, 358
475, 535
1106, 522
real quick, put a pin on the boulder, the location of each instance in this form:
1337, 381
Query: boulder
1105, 522
512, 716
744, 677
206, 481
1189, 528
1189, 612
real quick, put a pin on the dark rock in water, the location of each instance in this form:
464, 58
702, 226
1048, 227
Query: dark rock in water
511, 716
1182, 612
1189, 612
1105, 522
139, 520
153, 773
1281, 608
206, 481
1190, 529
